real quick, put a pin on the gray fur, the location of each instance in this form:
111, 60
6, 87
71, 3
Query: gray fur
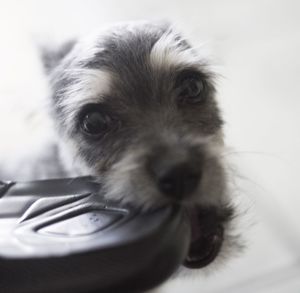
51, 58
143, 99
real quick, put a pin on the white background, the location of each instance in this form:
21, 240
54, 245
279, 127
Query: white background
257, 44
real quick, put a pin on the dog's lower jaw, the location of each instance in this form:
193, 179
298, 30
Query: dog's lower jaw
207, 227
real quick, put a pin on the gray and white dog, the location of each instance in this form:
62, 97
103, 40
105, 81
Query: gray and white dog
134, 105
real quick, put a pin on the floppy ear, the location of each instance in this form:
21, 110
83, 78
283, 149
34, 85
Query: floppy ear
52, 57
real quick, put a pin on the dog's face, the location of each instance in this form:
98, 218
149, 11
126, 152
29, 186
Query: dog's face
136, 107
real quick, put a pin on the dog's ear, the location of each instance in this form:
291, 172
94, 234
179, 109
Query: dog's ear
52, 57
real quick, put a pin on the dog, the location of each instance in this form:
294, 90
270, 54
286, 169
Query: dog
134, 105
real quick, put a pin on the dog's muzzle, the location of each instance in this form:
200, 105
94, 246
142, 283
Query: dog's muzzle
178, 180
175, 178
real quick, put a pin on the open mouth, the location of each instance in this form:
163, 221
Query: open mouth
207, 237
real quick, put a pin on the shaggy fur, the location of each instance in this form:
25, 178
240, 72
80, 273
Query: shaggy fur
133, 74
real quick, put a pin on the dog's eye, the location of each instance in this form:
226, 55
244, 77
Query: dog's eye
191, 89
95, 122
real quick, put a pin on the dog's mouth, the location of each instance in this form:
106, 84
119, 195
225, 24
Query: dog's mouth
207, 237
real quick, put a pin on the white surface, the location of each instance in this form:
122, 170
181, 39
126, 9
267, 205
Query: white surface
258, 43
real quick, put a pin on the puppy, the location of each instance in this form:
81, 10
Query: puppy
134, 106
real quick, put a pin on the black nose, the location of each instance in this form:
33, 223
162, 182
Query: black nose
177, 181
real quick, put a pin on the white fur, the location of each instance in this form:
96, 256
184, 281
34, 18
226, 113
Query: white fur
167, 53
92, 86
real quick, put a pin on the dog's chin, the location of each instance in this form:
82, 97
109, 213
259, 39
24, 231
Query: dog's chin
206, 237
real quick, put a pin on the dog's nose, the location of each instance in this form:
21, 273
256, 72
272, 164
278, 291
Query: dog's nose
177, 181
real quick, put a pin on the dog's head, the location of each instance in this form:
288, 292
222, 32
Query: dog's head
135, 105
